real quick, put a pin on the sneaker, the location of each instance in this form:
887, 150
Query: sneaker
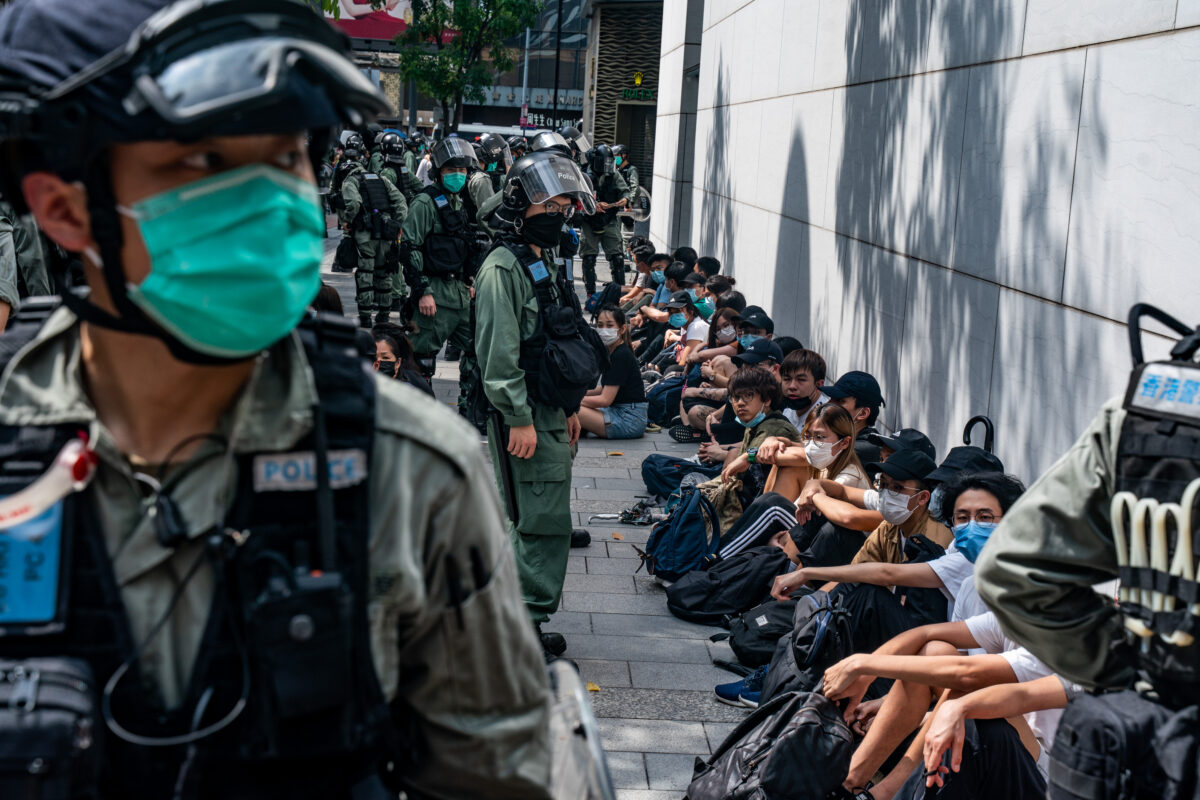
652, 428
685, 434
580, 538
749, 687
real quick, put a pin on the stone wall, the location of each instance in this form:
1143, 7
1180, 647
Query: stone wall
962, 198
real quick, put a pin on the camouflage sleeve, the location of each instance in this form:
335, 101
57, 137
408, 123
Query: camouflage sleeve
417, 226
8, 266
623, 188
351, 199
399, 204
480, 187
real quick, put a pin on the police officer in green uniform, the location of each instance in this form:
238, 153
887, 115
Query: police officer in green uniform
395, 170
373, 210
437, 245
373, 134
496, 158
32, 278
630, 173
415, 152
603, 229
337, 529
531, 433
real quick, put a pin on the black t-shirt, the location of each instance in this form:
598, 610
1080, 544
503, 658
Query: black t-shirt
624, 373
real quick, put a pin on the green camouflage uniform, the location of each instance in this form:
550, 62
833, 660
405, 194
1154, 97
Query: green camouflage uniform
399, 285
506, 313
608, 237
373, 285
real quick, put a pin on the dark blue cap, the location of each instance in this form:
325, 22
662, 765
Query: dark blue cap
860, 385
758, 352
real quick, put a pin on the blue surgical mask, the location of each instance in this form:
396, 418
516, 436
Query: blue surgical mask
970, 537
748, 339
692, 293
759, 417
677, 320
658, 276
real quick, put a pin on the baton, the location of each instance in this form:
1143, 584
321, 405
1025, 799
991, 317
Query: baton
508, 484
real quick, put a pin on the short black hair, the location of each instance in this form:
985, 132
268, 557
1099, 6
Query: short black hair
328, 299
687, 255
397, 339
677, 271
1005, 488
732, 299
788, 344
759, 381
802, 360
708, 265
659, 257
718, 285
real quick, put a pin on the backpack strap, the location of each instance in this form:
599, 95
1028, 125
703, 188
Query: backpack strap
24, 327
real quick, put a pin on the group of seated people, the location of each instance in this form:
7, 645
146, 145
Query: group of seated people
943, 701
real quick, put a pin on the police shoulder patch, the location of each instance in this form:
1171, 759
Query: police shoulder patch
297, 472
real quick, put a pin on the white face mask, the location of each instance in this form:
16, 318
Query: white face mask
726, 334
819, 454
608, 335
894, 507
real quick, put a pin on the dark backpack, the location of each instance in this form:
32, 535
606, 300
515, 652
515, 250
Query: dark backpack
928, 604
821, 636
608, 296
727, 587
796, 747
679, 544
663, 473
754, 634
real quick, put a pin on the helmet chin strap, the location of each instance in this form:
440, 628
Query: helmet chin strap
106, 230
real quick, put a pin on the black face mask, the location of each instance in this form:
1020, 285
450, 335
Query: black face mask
799, 404
542, 229
389, 368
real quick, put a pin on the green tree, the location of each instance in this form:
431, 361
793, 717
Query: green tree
454, 48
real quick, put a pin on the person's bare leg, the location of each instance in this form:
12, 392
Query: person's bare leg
902, 711
592, 420
788, 481
697, 417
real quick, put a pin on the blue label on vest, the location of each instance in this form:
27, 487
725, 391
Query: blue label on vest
29, 558
539, 272
297, 472
441, 201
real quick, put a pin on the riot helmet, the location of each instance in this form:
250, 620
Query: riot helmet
517, 146
494, 153
416, 141
453, 152
549, 140
576, 138
620, 155
537, 177
392, 147
352, 146
154, 70
600, 160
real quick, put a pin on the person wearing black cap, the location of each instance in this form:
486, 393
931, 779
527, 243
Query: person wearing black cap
279, 549
858, 392
689, 331
964, 458
754, 324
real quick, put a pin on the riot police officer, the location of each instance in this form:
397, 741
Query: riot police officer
579, 144
624, 166
1122, 503
497, 158
395, 164
277, 551
373, 210
602, 229
522, 300
437, 245
517, 146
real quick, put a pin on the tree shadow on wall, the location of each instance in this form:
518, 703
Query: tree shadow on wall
715, 236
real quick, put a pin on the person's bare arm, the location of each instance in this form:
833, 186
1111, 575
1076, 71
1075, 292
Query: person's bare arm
960, 673
847, 515
5, 310
877, 573
602, 399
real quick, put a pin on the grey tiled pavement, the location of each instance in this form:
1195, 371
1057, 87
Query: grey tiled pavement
656, 708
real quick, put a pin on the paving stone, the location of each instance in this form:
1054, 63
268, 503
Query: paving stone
599, 462
602, 470
589, 507
638, 794
635, 486
621, 550
640, 648
569, 622
693, 677
610, 584
721, 650
653, 736
601, 603
576, 564
718, 732
582, 483
607, 674
603, 565
635, 625
669, 772
685, 706
647, 585
608, 495
628, 770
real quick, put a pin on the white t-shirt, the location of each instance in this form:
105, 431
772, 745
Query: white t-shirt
423, 171
698, 329
985, 629
644, 281
799, 421
952, 569
870, 500
851, 476
967, 603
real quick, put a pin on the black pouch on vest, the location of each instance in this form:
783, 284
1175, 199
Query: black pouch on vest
48, 729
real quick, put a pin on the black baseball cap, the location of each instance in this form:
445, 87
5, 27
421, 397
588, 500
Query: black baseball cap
755, 317
680, 299
862, 386
905, 439
758, 352
691, 279
966, 458
906, 465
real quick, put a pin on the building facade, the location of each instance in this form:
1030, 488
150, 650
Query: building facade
962, 198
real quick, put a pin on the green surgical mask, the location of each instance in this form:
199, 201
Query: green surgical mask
454, 182
235, 259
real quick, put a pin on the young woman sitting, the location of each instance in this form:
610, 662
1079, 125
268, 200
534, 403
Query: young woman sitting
616, 409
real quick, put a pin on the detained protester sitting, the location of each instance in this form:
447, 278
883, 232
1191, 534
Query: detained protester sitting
395, 358
686, 256
617, 408
656, 316
754, 324
802, 374
693, 284
689, 330
643, 289
925, 663
756, 395
763, 354
732, 299
699, 402
708, 266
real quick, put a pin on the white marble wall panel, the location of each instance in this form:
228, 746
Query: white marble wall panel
789, 266
1058, 24
674, 26
835, 48
774, 181
749, 156
1187, 14
1135, 223
1014, 200
704, 141
766, 20
808, 170
670, 81
895, 151
797, 31
974, 32
666, 149
716, 11
893, 37
745, 40
946, 355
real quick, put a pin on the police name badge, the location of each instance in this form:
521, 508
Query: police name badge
30, 556
539, 272
297, 472
441, 201
1166, 389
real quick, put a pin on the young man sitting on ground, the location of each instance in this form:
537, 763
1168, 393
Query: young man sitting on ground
803, 375
642, 291
756, 394
698, 403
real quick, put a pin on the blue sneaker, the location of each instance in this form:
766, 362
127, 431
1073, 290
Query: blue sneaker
744, 692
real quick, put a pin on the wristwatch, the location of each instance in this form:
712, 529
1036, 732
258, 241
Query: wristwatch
752, 455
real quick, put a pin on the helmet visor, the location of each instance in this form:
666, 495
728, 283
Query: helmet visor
554, 176
230, 77
453, 149
582, 143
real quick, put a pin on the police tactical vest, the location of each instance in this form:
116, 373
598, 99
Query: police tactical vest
376, 208
287, 634
1158, 489
446, 254
606, 192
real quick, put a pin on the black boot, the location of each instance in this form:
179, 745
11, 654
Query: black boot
382, 317
617, 265
589, 274
553, 644
452, 352
580, 538
364, 320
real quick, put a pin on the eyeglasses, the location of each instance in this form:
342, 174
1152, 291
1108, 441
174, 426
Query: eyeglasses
884, 485
566, 209
982, 516
819, 438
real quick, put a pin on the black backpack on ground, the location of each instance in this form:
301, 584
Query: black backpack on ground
928, 604
821, 636
728, 587
754, 634
796, 747
608, 296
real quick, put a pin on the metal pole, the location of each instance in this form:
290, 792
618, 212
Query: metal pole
557, 58
412, 88
525, 72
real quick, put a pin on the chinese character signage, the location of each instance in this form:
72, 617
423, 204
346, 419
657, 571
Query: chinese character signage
1166, 389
